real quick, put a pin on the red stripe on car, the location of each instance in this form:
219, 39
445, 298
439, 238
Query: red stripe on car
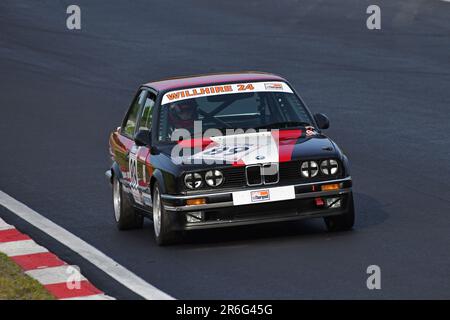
196, 142
286, 143
238, 163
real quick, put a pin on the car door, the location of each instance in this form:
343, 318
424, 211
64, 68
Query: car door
139, 164
123, 141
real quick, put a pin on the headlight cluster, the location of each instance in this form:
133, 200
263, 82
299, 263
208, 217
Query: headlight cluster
310, 169
213, 178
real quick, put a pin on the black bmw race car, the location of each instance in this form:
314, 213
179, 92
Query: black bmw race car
225, 150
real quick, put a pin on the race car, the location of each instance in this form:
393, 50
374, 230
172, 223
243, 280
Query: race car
222, 150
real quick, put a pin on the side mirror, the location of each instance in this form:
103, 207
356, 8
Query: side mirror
322, 121
143, 138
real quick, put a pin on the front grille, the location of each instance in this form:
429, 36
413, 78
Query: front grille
253, 174
289, 173
234, 177
270, 173
262, 174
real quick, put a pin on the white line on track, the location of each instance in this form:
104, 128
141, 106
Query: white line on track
84, 249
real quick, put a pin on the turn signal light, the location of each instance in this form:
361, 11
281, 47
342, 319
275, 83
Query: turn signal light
195, 202
329, 187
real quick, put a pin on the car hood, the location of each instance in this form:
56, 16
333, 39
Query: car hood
254, 148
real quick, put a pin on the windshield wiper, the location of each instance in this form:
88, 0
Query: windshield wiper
285, 124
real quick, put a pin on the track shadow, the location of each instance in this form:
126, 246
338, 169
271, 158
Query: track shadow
279, 231
369, 211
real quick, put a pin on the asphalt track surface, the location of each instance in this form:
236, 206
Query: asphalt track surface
386, 92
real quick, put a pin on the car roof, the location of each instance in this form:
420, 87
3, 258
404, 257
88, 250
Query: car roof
213, 78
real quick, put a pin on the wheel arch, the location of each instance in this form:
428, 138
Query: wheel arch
115, 172
157, 176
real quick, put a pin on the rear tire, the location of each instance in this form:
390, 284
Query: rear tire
125, 214
342, 222
164, 234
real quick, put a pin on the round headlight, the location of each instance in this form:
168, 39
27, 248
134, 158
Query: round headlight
329, 166
214, 178
193, 180
309, 169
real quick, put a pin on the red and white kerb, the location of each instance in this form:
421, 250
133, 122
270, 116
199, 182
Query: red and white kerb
42, 265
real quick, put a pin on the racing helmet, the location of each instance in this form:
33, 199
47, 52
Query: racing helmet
183, 113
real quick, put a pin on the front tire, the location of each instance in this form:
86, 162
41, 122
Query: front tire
124, 213
342, 222
164, 235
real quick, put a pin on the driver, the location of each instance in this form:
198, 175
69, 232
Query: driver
182, 114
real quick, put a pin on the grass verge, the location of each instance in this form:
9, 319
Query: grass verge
16, 285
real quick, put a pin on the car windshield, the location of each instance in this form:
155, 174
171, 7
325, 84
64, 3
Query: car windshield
263, 109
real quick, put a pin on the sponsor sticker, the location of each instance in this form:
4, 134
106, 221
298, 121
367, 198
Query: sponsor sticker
274, 86
260, 195
310, 131
214, 90
263, 195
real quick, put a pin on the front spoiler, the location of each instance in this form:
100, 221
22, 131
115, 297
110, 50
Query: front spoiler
293, 216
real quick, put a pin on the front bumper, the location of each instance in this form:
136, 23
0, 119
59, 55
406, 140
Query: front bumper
219, 210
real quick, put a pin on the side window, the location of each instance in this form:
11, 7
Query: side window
129, 125
146, 115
